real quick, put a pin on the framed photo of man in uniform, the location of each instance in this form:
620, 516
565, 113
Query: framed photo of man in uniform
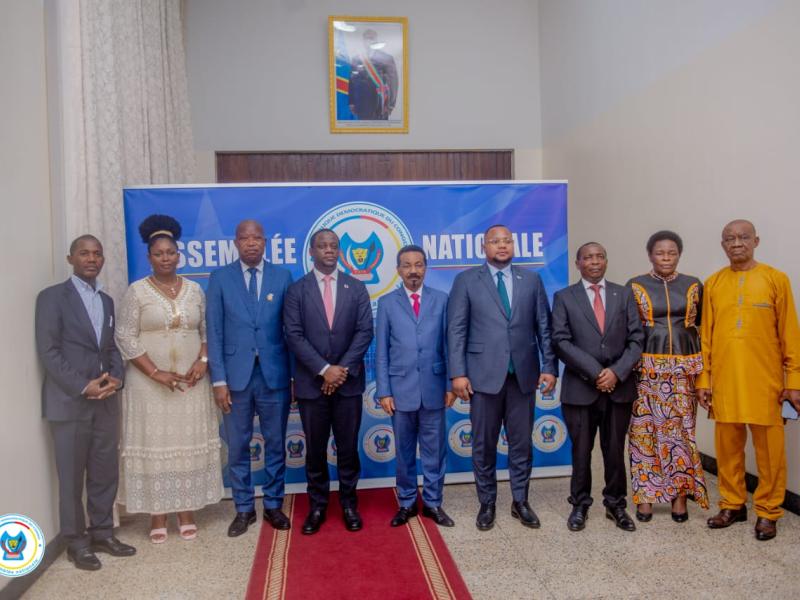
368, 59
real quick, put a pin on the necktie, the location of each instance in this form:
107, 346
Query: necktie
252, 286
415, 306
501, 289
327, 299
599, 310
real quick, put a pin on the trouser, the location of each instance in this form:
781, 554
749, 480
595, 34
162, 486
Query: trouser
320, 415
729, 439
272, 408
87, 451
426, 426
583, 422
488, 412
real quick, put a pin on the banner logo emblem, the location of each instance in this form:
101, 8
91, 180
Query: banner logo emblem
256, 452
332, 458
549, 433
21, 545
369, 238
379, 443
371, 404
460, 438
296, 449
502, 442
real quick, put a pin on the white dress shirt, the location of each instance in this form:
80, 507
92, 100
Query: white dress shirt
410, 299
321, 283
508, 279
587, 285
259, 276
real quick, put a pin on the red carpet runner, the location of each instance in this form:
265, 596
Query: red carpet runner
387, 563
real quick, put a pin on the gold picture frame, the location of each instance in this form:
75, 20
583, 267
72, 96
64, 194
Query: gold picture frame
368, 74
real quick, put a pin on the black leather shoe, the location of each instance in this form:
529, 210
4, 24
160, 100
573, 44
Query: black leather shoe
438, 515
314, 520
84, 559
577, 518
485, 520
113, 546
241, 522
645, 517
680, 517
525, 514
403, 515
352, 520
620, 516
276, 518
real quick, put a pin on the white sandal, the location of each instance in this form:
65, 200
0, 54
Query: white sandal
158, 535
188, 531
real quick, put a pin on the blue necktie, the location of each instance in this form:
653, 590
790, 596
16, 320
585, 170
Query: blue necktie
501, 289
252, 287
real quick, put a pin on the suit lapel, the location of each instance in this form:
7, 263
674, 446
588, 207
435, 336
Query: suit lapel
516, 290
77, 307
239, 282
425, 303
612, 302
405, 304
342, 297
582, 298
313, 292
485, 275
107, 327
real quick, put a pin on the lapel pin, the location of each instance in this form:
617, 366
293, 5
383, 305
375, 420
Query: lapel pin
346, 286
519, 276
269, 297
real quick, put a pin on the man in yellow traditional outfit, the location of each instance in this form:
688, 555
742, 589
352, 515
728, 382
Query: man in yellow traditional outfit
751, 354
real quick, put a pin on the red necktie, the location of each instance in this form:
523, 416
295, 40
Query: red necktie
415, 306
599, 310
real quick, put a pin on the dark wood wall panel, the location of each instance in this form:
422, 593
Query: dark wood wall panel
400, 165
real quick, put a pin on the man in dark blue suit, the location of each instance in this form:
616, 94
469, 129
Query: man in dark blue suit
82, 372
249, 366
498, 331
412, 384
328, 321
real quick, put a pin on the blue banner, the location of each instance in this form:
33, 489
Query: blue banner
373, 222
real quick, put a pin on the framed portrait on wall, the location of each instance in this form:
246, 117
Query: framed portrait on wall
368, 64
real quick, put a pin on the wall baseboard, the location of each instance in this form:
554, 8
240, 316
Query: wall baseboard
16, 587
791, 502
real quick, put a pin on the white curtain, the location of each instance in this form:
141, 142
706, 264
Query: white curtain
124, 111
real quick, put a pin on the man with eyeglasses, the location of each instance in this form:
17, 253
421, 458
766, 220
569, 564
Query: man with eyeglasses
500, 351
751, 364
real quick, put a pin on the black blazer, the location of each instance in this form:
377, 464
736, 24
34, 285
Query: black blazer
585, 351
314, 344
69, 352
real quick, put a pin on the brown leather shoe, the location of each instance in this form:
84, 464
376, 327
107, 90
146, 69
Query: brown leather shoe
727, 517
766, 529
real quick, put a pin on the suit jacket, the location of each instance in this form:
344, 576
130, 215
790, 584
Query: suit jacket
481, 338
67, 347
315, 344
410, 356
585, 351
238, 328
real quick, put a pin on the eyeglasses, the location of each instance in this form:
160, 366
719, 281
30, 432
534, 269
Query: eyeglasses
497, 241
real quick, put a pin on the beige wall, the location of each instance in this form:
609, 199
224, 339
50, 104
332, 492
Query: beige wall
25, 238
700, 126
258, 77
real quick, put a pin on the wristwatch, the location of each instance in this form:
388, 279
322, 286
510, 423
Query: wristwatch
204, 359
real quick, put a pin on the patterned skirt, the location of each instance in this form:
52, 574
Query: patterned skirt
665, 462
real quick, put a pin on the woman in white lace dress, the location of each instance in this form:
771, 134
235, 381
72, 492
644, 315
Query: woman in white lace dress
170, 437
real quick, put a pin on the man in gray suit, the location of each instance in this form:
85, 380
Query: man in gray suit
83, 371
498, 336
598, 336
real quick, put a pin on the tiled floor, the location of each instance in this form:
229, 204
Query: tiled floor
662, 559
